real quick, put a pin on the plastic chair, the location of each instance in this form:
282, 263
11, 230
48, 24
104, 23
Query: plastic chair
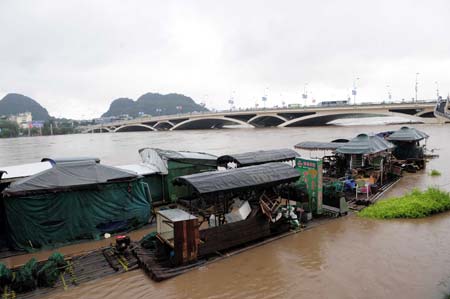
360, 185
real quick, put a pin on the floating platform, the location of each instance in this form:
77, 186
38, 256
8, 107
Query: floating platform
88, 267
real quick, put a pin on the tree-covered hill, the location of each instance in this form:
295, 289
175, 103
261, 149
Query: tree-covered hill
153, 104
14, 103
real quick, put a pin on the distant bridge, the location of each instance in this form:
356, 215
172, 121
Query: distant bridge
281, 117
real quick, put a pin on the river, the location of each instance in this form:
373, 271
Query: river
346, 258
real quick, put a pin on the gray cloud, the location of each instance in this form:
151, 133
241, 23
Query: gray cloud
76, 56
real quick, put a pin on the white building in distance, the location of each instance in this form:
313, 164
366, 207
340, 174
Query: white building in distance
22, 119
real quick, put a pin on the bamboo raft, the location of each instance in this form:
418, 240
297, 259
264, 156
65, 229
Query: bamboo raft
88, 267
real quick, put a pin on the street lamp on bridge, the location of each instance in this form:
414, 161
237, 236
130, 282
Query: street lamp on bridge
417, 84
264, 98
437, 89
389, 95
305, 93
355, 86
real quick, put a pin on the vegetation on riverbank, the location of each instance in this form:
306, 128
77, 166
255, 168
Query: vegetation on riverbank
415, 204
435, 172
8, 129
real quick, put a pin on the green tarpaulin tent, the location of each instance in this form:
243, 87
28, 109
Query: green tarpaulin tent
73, 201
364, 144
406, 142
407, 134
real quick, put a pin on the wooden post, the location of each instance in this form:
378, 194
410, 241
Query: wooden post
186, 240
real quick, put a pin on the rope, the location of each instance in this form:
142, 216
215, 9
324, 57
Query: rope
63, 280
123, 262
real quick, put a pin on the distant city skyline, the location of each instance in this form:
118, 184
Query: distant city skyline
75, 57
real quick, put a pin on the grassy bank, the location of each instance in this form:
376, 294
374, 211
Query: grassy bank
415, 204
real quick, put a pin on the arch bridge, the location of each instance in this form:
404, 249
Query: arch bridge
298, 117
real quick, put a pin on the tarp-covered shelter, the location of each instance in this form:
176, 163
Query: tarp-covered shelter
73, 201
407, 143
365, 150
407, 134
364, 144
264, 175
171, 164
258, 157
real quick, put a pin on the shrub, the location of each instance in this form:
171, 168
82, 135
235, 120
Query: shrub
435, 172
415, 204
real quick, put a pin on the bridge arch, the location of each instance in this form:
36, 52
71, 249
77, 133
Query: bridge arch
99, 130
266, 120
324, 118
164, 125
134, 128
210, 122
426, 114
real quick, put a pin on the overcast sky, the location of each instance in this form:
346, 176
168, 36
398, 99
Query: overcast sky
75, 57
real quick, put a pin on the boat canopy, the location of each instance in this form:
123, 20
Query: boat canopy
54, 161
11, 173
258, 157
313, 146
407, 134
158, 158
67, 175
365, 144
270, 174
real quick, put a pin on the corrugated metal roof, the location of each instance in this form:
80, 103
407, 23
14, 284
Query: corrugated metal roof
258, 157
365, 144
407, 134
269, 174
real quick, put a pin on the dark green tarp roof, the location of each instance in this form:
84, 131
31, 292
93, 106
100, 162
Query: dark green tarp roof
311, 145
258, 157
269, 174
67, 175
407, 134
365, 144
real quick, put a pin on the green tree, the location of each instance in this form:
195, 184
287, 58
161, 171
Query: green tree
8, 129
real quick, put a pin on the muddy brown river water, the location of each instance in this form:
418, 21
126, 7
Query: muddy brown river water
346, 258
